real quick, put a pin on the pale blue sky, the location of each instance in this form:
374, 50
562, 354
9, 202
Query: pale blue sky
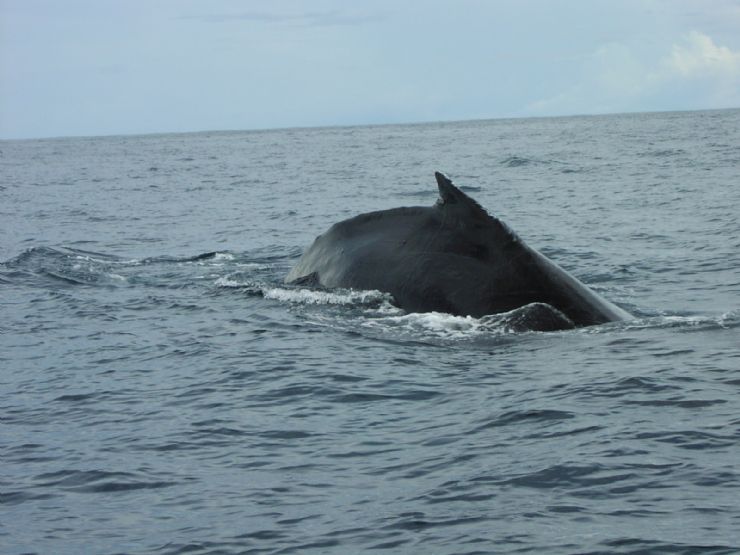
101, 67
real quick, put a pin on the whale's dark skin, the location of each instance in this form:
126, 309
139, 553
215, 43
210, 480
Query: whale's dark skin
452, 257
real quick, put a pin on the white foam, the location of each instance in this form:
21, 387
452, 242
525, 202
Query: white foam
214, 260
441, 325
350, 297
132, 261
386, 308
228, 282
687, 320
728, 319
223, 256
308, 296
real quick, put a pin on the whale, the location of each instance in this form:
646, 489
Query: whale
453, 257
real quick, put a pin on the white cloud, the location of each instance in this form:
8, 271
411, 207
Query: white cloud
699, 55
692, 73
708, 74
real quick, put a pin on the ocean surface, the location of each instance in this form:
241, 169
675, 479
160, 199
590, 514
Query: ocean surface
163, 392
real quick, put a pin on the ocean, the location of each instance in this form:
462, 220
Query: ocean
163, 392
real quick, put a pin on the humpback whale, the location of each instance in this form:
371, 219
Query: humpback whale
452, 257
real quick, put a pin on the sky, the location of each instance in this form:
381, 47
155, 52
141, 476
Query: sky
109, 67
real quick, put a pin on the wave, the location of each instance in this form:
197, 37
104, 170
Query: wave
376, 314
52, 267
517, 161
379, 314
260, 273
98, 481
48, 253
726, 320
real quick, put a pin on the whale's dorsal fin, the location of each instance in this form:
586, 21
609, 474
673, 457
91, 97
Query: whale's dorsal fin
449, 194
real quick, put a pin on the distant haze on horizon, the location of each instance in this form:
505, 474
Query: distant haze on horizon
109, 67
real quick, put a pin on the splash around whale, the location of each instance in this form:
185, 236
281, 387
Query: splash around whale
452, 257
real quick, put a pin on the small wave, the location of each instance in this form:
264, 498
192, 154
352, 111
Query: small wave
54, 266
199, 258
542, 416
648, 320
420, 194
727, 320
516, 161
35, 255
254, 266
428, 193
689, 439
98, 481
663, 153
18, 497
76, 398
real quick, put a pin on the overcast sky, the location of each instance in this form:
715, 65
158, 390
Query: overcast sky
100, 67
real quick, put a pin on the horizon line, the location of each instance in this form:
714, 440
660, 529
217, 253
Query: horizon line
350, 125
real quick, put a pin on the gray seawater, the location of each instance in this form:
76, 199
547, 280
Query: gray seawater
161, 390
